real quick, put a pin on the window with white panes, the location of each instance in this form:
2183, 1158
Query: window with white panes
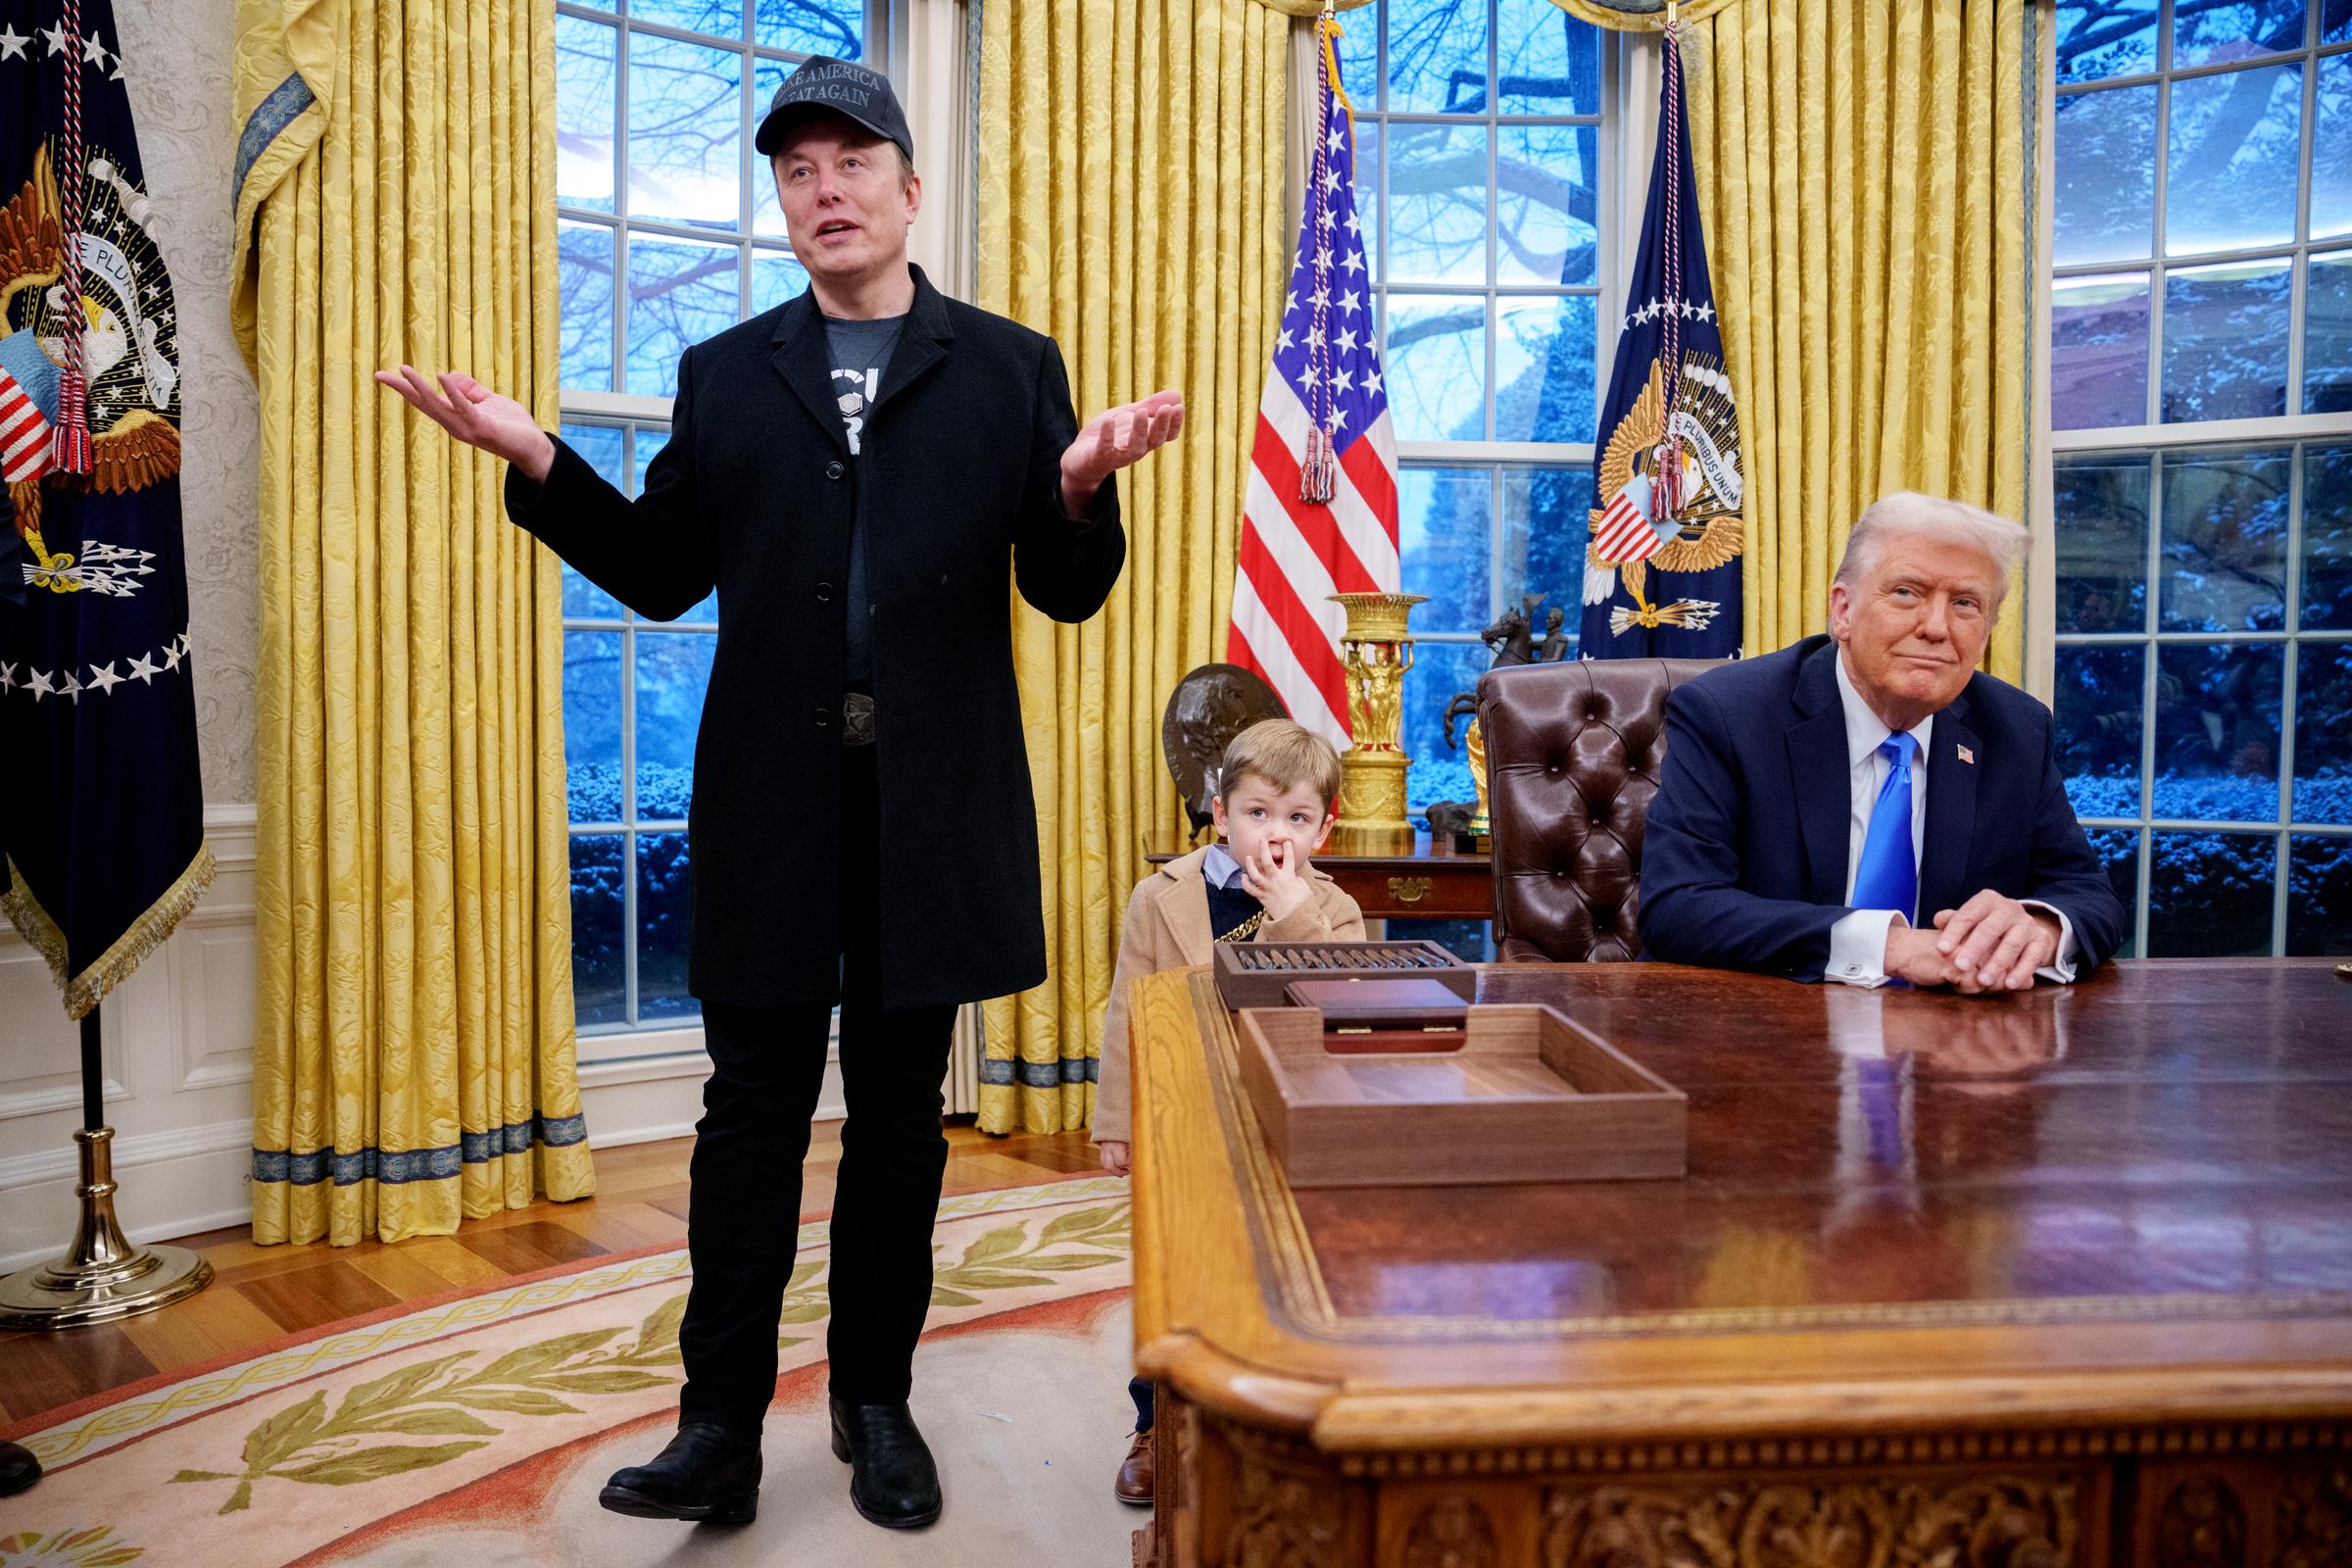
667, 232
2200, 370
1483, 132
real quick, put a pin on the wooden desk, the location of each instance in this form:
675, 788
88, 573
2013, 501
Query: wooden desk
1433, 883
2025, 1282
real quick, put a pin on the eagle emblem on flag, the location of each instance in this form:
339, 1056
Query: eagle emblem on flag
1674, 504
130, 354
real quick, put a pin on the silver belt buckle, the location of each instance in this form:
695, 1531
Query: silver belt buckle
856, 719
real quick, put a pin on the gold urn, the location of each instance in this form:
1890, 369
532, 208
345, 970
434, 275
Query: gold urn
1377, 649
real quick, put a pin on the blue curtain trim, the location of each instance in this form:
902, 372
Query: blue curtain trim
416, 1164
273, 114
1040, 1074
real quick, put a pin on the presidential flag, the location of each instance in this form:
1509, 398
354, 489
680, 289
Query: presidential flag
1319, 515
101, 818
1662, 570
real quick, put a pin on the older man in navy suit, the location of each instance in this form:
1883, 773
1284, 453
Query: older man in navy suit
1866, 807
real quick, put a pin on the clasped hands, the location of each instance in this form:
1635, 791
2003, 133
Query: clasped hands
1990, 942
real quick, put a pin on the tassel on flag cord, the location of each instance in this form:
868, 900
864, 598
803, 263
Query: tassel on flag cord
70, 450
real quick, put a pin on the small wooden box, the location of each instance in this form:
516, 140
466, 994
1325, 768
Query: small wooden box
1531, 1097
1259, 974
1391, 1015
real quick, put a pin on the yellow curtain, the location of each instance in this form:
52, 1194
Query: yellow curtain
414, 1056
1864, 171
1130, 204
1638, 15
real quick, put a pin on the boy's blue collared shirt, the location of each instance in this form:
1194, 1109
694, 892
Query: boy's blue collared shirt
1221, 868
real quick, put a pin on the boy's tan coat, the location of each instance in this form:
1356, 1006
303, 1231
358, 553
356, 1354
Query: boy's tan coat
1167, 928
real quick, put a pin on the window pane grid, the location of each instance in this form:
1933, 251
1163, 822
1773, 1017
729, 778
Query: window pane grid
2217, 67
2189, 858
627, 829
2249, 321
668, 317
631, 828
1478, 534
642, 823
1494, 501
2199, 327
1426, 313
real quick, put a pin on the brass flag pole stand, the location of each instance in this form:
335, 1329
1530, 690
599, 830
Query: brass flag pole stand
101, 1277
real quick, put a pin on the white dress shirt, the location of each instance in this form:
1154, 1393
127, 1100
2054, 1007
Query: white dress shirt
1858, 941
1220, 868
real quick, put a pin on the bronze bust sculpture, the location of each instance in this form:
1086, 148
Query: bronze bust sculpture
1209, 707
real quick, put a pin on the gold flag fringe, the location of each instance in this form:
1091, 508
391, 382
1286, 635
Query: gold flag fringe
132, 948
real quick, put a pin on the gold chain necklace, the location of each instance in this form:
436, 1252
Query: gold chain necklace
1247, 930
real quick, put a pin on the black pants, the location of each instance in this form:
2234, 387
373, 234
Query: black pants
767, 1067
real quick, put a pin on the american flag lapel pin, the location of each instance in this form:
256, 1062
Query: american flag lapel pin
1966, 755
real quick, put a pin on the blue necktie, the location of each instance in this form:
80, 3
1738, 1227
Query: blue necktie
1888, 875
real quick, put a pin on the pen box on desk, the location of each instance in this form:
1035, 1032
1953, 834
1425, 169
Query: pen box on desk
1259, 974
1384, 1015
1529, 1096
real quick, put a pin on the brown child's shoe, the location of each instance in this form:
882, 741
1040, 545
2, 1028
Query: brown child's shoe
1134, 1485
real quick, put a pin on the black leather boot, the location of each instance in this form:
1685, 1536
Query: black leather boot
893, 1482
707, 1472
19, 1469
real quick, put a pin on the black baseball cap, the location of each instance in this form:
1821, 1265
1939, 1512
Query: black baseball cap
841, 87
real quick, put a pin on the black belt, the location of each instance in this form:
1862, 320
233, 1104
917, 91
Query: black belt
856, 719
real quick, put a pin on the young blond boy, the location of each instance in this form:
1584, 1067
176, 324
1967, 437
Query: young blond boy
1273, 809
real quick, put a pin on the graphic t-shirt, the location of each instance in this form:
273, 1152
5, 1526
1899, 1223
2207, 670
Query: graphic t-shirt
860, 352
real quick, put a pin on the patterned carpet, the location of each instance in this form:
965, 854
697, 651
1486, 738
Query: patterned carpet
479, 1426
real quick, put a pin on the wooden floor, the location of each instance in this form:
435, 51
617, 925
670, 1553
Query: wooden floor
261, 1293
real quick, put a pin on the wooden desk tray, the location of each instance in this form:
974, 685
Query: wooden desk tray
1531, 1097
1259, 974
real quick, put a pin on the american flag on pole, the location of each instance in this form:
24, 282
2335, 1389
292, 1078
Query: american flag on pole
1320, 514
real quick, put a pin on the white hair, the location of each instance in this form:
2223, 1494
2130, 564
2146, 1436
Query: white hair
1907, 512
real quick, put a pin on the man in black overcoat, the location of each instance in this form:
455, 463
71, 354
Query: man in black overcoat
850, 472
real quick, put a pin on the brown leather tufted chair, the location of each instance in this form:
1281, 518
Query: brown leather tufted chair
1574, 752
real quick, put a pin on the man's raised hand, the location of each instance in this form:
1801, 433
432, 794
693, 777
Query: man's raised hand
1113, 439
477, 416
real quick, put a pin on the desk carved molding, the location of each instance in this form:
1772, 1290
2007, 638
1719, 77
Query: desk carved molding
1894, 1448
2314, 1519
1984, 1521
1957, 1501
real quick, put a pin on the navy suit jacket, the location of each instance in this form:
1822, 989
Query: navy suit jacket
1744, 853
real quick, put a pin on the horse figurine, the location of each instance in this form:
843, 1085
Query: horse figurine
1512, 636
